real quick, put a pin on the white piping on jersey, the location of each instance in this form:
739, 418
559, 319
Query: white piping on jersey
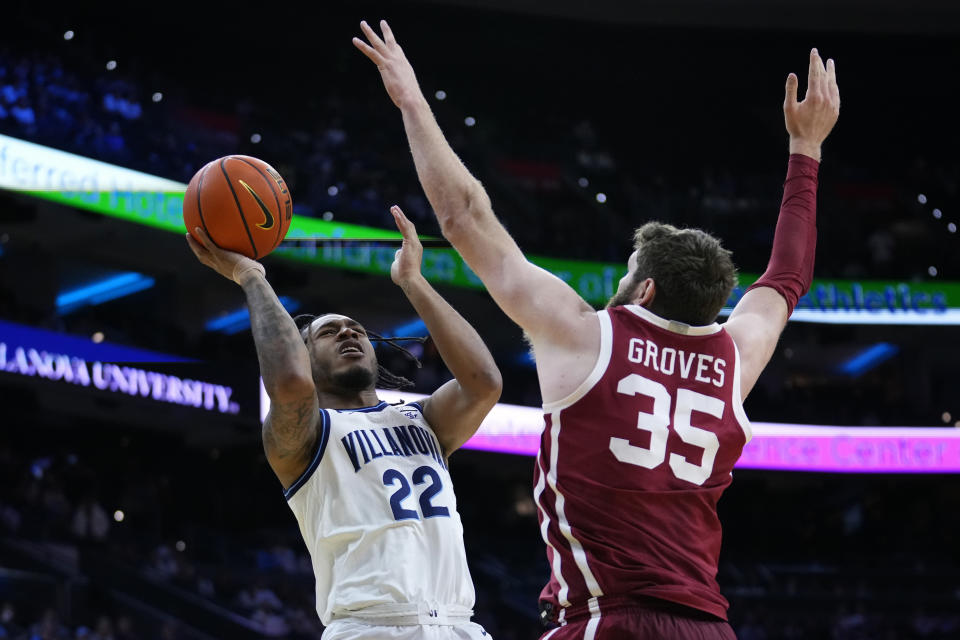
547, 637
579, 555
544, 525
322, 438
737, 400
673, 325
594, 622
599, 368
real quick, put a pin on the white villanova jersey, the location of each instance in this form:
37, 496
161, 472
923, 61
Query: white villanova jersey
378, 514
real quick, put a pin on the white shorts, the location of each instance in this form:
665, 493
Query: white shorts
356, 630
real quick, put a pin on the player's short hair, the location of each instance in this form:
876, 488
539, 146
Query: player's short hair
694, 274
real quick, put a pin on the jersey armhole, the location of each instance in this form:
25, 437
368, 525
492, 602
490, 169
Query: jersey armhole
317, 457
599, 368
738, 411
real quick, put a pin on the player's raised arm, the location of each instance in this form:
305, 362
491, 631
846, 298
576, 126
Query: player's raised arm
456, 409
290, 430
547, 308
759, 318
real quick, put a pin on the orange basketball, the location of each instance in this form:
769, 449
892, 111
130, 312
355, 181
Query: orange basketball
241, 202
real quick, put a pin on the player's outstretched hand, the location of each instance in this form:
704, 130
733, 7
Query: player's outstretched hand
395, 71
810, 121
231, 265
407, 259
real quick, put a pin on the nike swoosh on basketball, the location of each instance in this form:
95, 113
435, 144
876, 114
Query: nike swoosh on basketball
268, 216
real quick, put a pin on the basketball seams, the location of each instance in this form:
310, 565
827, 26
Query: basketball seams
270, 183
243, 219
203, 223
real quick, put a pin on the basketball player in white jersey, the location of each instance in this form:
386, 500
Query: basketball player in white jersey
366, 480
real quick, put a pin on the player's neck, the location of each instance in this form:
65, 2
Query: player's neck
347, 399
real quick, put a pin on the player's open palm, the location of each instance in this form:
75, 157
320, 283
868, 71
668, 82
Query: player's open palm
229, 264
395, 70
810, 121
407, 260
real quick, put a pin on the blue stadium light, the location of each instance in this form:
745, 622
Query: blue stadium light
102, 291
415, 327
239, 320
526, 359
868, 359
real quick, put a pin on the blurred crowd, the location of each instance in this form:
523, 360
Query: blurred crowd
557, 171
49, 625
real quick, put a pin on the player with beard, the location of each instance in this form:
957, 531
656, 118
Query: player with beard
642, 400
368, 481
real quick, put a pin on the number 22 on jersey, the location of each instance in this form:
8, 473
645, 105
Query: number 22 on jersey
420, 476
657, 423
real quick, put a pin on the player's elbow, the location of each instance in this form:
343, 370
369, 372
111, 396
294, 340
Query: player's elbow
459, 221
487, 384
291, 386
454, 228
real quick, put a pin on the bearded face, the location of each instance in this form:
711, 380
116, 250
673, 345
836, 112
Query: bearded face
627, 287
341, 355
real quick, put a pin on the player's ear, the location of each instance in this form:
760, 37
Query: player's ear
646, 291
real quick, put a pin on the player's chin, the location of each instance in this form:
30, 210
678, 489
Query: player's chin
358, 375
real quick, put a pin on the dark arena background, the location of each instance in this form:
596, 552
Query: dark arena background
132, 512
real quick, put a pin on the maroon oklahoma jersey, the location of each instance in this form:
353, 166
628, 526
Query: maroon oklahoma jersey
633, 462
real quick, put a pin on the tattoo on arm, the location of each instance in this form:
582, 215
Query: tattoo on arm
285, 368
286, 431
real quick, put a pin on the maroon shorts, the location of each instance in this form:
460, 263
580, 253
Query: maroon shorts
641, 623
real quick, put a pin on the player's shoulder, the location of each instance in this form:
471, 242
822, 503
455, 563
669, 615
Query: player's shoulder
412, 410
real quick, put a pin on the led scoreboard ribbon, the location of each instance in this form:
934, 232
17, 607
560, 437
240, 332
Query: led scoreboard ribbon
149, 200
782, 447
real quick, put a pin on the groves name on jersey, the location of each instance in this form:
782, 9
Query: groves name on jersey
633, 462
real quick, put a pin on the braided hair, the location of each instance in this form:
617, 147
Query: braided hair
386, 379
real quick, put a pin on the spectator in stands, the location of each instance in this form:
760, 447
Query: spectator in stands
259, 596
12, 91
10, 519
270, 622
104, 629
304, 622
170, 631
124, 629
9, 627
751, 629
90, 520
112, 144
163, 564
23, 113
49, 627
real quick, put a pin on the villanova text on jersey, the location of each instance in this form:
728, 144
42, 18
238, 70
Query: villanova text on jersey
366, 445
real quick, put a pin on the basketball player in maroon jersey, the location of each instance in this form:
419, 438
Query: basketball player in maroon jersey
642, 400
